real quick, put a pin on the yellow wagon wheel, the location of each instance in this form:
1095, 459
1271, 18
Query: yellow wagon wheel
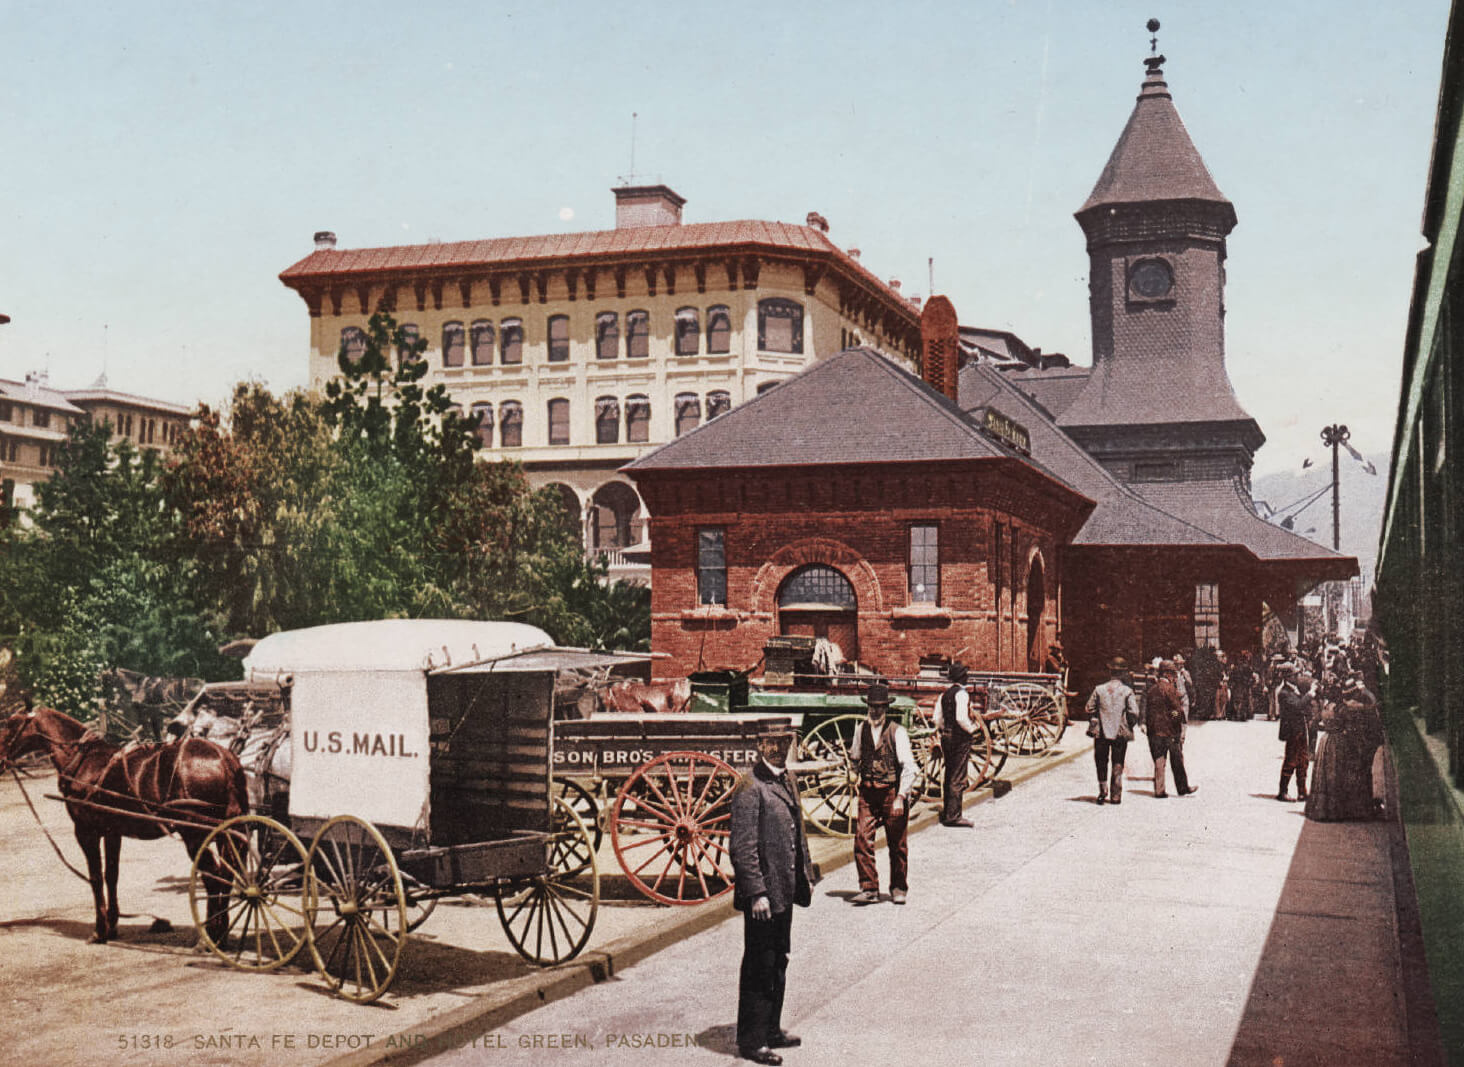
831, 790
550, 917
357, 909
983, 765
1033, 719
260, 864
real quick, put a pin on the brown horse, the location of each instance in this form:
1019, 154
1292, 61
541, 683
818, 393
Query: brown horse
184, 787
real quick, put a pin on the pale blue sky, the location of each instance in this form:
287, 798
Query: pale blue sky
163, 162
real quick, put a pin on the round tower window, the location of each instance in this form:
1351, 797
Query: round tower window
1151, 279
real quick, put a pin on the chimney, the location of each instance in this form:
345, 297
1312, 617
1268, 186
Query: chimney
940, 342
817, 222
324, 240
35, 381
647, 205
915, 301
894, 283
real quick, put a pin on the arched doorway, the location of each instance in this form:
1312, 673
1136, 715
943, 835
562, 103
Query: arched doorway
617, 522
1036, 607
569, 507
818, 601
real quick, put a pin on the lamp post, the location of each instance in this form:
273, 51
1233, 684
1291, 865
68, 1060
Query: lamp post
1334, 437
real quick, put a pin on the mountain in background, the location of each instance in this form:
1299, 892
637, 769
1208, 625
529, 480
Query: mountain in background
1363, 497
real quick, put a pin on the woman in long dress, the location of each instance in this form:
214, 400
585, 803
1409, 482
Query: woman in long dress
1342, 771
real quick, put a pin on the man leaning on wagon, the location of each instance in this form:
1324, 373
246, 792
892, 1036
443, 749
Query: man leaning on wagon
1112, 712
953, 721
772, 871
881, 754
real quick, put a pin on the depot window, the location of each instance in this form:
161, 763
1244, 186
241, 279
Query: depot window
688, 332
558, 338
719, 330
688, 412
353, 344
637, 419
779, 326
711, 566
454, 344
637, 335
1207, 615
512, 338
559, 421
511, 424
924, 564
607, 420
607, 335
484, 432
482, 337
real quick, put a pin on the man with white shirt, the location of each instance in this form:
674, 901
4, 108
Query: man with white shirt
886, 767
953, 722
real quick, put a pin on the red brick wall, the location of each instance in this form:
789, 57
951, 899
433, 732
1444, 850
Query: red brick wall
858, 523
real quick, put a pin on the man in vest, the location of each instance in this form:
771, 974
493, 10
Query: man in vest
772, 872
1295, 706
953, 721
886, 767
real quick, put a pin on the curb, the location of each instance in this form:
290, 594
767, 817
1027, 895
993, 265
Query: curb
457, 1028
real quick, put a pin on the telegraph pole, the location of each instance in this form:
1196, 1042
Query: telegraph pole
1334, 437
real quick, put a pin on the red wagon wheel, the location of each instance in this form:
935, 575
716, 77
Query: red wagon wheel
671, 827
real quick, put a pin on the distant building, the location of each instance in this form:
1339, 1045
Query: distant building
35, 419
581, 351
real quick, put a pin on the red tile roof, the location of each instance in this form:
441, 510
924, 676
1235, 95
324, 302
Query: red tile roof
558, 249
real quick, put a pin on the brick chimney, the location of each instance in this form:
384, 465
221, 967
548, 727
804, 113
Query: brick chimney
324, 240
647, 205
940, 343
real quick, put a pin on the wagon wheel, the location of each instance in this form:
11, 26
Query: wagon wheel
261, 865
671, 827
558, 907
982, 766
357, 909
584, 804
1032, 721
420, 905
831, 795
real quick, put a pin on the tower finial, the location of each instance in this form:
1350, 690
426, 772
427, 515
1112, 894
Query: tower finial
1154, 62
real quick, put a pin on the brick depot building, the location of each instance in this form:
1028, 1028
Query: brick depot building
968, 513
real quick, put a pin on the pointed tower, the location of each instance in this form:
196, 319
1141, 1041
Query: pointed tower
1158, 405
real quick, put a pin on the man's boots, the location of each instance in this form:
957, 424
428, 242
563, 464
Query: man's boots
1285, 791
1115, 786
1301, 784
1102, 793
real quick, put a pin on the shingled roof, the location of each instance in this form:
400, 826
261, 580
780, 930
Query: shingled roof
1121, 517
1224, 507
1154, 158
854, 407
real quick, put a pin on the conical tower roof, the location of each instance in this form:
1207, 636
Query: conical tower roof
1154, 159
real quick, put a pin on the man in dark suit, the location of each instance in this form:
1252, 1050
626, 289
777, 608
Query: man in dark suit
1295, 706
772, 872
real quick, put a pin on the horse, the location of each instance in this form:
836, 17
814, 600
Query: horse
148, 790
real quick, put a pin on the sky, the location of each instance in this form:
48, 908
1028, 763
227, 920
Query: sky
164, 162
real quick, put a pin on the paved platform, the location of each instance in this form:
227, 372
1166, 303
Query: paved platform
1222, 928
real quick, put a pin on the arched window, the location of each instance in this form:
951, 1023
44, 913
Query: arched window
817, 586
637, 335
513, 341
407, 337
484, 412
688, 412
719, 402
637, 419
719, 329
353, 344
569, 507
481, 336
763, 387
559, 421
607, 335
558, 338
779, 325
511, 424
688, 332
617, 516
453, 344
607, 420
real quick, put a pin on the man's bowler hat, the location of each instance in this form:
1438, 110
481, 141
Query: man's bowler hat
958, 672
879, 694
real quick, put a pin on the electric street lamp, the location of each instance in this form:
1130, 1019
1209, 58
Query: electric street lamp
1334, 437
